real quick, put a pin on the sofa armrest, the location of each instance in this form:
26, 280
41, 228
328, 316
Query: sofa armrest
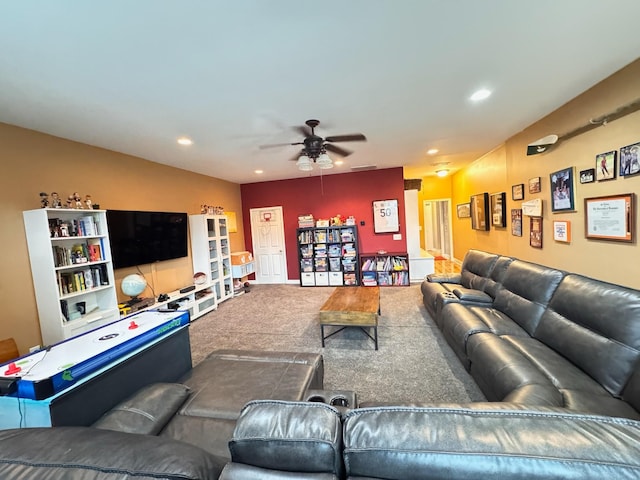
147, 411
472, 295
444, 278
462, 443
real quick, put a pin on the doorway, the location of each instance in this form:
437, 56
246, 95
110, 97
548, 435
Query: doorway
269, 252
438, 236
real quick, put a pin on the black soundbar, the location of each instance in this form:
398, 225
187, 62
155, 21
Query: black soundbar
187, 289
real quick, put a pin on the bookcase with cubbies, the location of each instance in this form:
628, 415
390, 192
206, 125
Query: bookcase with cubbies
72, 271
328, 256
388, 269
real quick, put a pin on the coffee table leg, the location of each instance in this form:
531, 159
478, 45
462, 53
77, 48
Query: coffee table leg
322, 334
375, 333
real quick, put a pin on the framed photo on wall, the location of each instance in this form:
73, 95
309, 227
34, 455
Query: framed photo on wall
464, 210
606, 166
516, 222
630, 160
385, 216
499, 209
562, 190
611, 217
534, 185
480, 211
562, 231
588, 175
535, 232
517, 192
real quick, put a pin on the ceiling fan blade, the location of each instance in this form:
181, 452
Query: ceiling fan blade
274, 145
355, 137
338, 150
302, 130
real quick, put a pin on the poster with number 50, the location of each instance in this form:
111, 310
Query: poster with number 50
385, 216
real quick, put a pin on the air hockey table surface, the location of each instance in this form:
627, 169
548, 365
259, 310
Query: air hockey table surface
46, 372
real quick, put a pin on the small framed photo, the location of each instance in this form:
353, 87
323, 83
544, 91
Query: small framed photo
480, 211
385, 216
562, 190
610, 217
535, 232
464, 210
517, 192
516, 222
606, 166
562, 231
588, 175
534, 185
499, 209
629, 161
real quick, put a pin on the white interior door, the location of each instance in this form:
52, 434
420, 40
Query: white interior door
438, 236
267, 234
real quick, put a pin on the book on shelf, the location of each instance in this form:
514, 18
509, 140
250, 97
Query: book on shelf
346, 235
350, 279
368, 264
334, 264
334, 250
349, 264
306, 251
384, 278
334, 235
369, 279
320, 236
320, 250
306, 265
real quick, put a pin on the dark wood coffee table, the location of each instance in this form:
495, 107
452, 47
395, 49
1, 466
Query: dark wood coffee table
351, 307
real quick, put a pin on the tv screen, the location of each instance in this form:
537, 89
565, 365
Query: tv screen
138, 238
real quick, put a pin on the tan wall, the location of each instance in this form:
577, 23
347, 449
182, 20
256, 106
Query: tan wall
509, 165
33, 162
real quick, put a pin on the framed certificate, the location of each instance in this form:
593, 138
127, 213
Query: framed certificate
385, 216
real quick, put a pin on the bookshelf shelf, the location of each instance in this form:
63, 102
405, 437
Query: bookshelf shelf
210, 253
328, 256
384, 270
72, 272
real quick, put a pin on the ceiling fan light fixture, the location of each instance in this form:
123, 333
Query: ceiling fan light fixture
324, 161
304, 163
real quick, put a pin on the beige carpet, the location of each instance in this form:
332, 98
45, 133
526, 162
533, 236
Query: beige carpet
413, 363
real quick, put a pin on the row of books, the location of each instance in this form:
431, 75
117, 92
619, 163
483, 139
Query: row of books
85, 279
86, 226
77, 254
371, 278
385, 263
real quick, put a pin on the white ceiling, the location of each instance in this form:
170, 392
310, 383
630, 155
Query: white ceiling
132, 76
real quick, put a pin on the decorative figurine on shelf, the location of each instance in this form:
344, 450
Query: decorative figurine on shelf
44, 200
88, 202
337, 220
70, 201
56, 201
77, 200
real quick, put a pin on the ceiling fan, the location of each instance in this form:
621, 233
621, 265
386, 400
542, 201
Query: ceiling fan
315, 147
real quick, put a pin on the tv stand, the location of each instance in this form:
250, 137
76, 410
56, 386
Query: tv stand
197, 302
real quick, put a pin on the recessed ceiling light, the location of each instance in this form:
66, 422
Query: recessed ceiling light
480, 95
185, 141
442, 173
258, 171
338, 162
432, 151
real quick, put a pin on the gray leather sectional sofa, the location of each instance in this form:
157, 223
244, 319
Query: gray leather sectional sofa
538, 336
556, 354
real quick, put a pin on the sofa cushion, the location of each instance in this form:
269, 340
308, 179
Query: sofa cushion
147, 411
588, 321
460, 444
475, 268
290, 436
526, 291
86, 453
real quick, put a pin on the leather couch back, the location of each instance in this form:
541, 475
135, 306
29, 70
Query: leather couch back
476, 268
526, 291
589, 320
303, 437
499, 270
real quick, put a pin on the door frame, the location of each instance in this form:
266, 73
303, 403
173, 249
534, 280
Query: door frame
285, 272
444, 238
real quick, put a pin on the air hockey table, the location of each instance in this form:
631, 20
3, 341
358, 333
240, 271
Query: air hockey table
75, 381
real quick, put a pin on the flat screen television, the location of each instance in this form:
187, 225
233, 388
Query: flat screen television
139, 238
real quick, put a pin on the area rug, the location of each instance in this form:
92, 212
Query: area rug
413, 363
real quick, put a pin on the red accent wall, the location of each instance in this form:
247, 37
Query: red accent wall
325, 197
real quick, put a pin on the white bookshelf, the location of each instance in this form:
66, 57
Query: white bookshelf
211, 253
62, 275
